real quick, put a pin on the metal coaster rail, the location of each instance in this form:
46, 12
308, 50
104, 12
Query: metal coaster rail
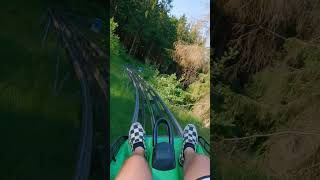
151, 102
82, 53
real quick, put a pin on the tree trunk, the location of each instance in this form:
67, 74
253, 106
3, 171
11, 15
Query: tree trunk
132, 45
135, 49
148, 54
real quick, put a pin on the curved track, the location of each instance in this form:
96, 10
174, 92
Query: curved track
80, 52
149, 104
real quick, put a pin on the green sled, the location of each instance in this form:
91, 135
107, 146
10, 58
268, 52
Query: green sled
124, 153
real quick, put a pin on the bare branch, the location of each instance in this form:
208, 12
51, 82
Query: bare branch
273, 134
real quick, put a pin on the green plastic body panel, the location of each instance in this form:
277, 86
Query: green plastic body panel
174, 174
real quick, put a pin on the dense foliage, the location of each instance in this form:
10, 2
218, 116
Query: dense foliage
265, 81
114, 39
145, 28
148, 31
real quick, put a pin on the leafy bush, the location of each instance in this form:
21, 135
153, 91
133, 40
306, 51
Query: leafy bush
114, 39
199, 88
169, 89
150, 73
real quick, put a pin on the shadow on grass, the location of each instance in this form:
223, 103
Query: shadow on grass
38, 132
121, 111
34, 145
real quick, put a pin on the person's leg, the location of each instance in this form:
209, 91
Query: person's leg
136, 166
195, 166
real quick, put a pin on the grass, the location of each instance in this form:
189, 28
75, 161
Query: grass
39, 131
186, 117
121, 99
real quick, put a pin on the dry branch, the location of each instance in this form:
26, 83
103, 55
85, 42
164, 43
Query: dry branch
254, 25
272, 134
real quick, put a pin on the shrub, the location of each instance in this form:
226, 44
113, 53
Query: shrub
169, 89
114, 39
199, 88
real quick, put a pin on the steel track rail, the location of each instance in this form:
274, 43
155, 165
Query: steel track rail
82, 170
89, 50
154, 111
136, 109
163, 106
159, 106
145, 105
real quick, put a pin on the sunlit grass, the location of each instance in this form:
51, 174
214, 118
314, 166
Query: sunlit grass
121, 99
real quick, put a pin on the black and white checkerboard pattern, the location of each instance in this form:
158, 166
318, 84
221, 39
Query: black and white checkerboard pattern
136, 134
190, 135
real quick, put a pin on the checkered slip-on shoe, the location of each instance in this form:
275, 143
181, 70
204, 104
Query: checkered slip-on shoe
190, 139
136, 136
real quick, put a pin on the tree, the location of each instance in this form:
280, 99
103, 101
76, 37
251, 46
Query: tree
145, 28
